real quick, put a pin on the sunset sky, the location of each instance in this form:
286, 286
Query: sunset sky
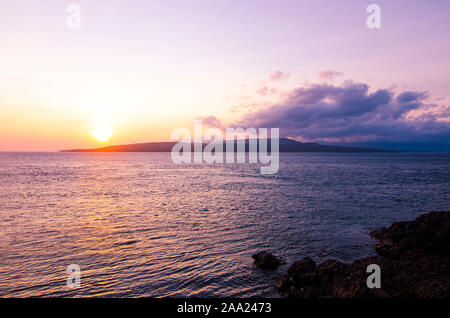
143, 68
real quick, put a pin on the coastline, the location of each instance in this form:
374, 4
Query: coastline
414, 258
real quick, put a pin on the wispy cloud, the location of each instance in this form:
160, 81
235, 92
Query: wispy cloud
211, 121
265, 90
329, 75
279, 76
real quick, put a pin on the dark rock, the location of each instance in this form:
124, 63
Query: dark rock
307, 292
306, 265
266, 260
414, 258
429, 233
283, 283
303, 272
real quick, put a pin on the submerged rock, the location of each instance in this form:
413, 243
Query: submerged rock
414, 258
266, 260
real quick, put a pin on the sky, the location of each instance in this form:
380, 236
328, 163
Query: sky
143, 68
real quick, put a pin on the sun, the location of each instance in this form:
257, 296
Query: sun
102, 133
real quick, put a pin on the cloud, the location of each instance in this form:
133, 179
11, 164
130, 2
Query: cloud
352, 113
329, 75
279, 76
211, 121
265, 90
406, 97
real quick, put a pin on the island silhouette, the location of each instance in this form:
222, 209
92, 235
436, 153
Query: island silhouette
286, 145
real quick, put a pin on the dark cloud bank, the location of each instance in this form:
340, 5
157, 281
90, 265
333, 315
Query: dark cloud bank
353, 115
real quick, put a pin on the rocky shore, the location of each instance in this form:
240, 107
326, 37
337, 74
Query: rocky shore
414, 259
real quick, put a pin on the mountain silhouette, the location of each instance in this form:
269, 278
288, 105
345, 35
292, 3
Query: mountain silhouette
286, 145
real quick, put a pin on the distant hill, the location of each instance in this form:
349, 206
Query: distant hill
286, 145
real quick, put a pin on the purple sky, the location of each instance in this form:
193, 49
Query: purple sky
150, 66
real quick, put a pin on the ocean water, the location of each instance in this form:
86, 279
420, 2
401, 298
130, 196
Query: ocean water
139, 225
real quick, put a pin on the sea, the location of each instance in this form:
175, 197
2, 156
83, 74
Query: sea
138, 225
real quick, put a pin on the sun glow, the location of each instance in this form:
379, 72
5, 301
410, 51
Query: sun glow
102, 133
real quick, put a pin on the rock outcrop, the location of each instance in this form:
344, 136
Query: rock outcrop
266, 260
414, 258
